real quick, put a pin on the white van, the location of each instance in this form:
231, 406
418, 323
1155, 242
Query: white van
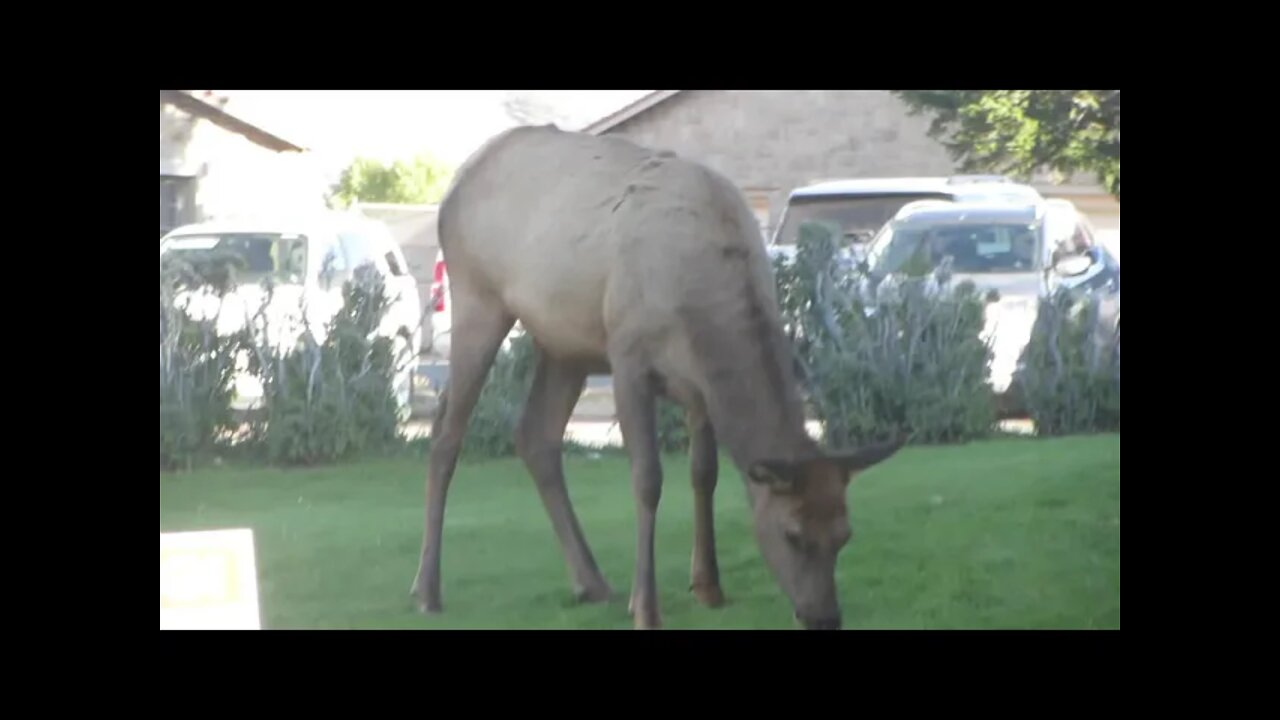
308, 259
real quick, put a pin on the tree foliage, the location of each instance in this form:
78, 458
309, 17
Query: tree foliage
1023, 131
421, 180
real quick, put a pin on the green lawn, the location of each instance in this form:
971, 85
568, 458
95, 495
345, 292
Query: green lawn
1002, 534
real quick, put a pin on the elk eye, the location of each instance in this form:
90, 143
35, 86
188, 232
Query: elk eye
797, 540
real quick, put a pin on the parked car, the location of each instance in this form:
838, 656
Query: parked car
1024, 251
440, 321
862, 206
308, 259
440, 318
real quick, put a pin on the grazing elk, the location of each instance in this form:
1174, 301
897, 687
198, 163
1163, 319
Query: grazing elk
619, 259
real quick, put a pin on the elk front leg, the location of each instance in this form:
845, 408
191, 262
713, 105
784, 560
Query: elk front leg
478, 333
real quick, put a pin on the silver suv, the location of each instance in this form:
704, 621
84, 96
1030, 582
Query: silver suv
1022, 251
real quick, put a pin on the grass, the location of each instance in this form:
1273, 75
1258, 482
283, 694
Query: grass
1002, 534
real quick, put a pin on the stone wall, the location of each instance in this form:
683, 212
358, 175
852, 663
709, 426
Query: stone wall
771, 141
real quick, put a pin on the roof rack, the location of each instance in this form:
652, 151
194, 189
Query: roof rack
964, 179
915, 205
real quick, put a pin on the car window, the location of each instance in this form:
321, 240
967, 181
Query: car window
362, 246
333, 261
253, 256
858, 217
356, 247
973, 248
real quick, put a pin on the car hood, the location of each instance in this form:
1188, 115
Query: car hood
1008, 321
1012, 285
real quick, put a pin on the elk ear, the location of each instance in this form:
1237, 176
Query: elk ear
779, 476
865, 457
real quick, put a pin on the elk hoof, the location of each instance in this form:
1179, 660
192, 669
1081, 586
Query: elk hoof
601, 593
648, 621
709, 595
426, 602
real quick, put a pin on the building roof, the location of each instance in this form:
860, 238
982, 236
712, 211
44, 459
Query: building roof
615, 119
201, 109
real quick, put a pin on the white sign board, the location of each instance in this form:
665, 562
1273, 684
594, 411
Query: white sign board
208, 581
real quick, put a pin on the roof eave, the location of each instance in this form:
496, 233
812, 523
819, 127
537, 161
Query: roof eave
221, 118
615, 119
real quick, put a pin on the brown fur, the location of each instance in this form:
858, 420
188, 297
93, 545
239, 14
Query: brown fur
619, 259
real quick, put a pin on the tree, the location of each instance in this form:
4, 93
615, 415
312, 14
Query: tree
1023, 131
419, 181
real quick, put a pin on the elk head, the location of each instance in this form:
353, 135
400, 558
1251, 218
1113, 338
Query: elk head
802, 524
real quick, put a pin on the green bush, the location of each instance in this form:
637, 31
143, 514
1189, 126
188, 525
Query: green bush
1069, 381
673, 427
322, 401
903, 356
492, 428
196, 367
491, 431
330, 400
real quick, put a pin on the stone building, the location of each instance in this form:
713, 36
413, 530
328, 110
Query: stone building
772, 141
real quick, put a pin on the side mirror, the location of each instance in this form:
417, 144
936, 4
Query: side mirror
1072, 265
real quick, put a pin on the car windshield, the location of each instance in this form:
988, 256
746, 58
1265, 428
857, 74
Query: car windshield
917, 249
859, 217
255, 256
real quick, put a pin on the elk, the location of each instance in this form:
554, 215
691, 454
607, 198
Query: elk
619, 259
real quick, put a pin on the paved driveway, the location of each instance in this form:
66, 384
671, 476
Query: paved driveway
596, 433
436, 371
